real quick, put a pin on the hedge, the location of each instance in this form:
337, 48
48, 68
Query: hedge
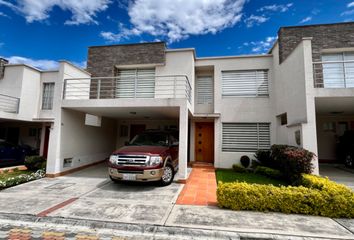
269, 172
23, 178
317, 196
34, 163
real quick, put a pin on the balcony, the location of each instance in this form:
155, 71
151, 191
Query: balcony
334, 74
158, 87
9, 104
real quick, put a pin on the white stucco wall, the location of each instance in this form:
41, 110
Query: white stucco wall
238, 109
85, 144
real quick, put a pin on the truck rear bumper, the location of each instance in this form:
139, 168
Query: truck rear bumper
138, 175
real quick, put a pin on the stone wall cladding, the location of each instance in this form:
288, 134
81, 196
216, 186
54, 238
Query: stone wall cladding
3, 62
340, 35
102, 59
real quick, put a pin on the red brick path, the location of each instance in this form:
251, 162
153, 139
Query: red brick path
200, 188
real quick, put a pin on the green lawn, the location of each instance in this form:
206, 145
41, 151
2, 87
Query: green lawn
4, 176
228, 175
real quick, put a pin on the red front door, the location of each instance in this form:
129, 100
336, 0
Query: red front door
46, 142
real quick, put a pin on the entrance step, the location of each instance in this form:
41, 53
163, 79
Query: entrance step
201, 165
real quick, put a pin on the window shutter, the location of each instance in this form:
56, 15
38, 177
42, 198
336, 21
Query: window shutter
205, 90
245, 83
245, 137
135, 83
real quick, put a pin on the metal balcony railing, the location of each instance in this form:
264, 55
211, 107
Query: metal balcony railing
171, 86
333, 74
9, 104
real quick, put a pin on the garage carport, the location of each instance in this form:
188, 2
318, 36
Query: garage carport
89, 194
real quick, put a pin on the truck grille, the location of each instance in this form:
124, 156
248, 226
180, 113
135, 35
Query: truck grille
132, 160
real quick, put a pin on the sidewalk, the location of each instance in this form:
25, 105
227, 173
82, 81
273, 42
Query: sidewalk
184, 222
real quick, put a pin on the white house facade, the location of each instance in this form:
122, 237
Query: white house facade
301, 93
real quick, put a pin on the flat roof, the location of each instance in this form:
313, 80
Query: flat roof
127, 44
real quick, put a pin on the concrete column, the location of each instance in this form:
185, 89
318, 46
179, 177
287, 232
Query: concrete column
183, 143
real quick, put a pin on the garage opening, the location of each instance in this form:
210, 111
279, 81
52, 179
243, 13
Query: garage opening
335, 129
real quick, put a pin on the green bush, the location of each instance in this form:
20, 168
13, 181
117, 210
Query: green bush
263, 158
269, 172
317, 196
34, 163
239, 168
290, 161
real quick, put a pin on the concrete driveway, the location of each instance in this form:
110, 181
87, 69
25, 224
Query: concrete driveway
90, 194
338, 173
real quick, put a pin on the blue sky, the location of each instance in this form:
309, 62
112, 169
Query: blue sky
40, 32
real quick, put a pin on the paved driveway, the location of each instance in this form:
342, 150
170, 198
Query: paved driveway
338, 174
90, 194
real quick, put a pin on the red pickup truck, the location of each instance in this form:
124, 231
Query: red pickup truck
150, 156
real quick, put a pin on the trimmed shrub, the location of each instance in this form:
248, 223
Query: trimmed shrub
269, 172
245, 161
34, 163
291, 161
318, 196
239, 168
264, 158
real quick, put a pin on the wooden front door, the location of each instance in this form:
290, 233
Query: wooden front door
46, 142
204, 142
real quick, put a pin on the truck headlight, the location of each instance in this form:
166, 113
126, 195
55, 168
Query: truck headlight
113, 159
155, 160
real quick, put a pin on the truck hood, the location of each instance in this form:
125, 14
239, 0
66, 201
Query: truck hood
141, 150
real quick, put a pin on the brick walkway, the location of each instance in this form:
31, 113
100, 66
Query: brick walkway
200, 188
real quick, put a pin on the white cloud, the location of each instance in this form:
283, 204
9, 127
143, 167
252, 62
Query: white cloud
346, 13
3, 15
83, 12
276, 8
43, 64
255, 20
260, 46
306, 19
176, 20
351, 4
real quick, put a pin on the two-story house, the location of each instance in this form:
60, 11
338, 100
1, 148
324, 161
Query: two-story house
301, 93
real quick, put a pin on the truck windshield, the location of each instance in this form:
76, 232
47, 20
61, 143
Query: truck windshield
150, 139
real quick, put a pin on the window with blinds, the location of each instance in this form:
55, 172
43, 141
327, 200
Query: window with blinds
338, 70
245, 83
135, 83
47, 97
245, 137
204, 85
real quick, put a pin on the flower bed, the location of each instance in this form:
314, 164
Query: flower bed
314, 196
21, 178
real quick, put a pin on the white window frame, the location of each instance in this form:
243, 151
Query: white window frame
338, 73
245, 85
261, 136
48, 95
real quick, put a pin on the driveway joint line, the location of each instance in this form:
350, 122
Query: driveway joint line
348, 229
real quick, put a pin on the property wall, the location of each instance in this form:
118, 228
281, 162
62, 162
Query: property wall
11, 84
238, 109
85, 144
324, 36
150, 124
102, 59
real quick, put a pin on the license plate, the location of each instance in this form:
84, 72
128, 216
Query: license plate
130, 177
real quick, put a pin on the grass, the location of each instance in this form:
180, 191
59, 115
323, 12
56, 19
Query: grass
228, 175
4, 176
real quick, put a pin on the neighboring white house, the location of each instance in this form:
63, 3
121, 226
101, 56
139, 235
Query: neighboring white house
301, 93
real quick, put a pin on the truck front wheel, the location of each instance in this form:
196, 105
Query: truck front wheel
168, 174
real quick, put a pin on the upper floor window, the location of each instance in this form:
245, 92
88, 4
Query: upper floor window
135, 83
47, 97
245, 83
338, 70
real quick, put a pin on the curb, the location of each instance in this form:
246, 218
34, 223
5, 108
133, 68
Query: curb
109, 230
